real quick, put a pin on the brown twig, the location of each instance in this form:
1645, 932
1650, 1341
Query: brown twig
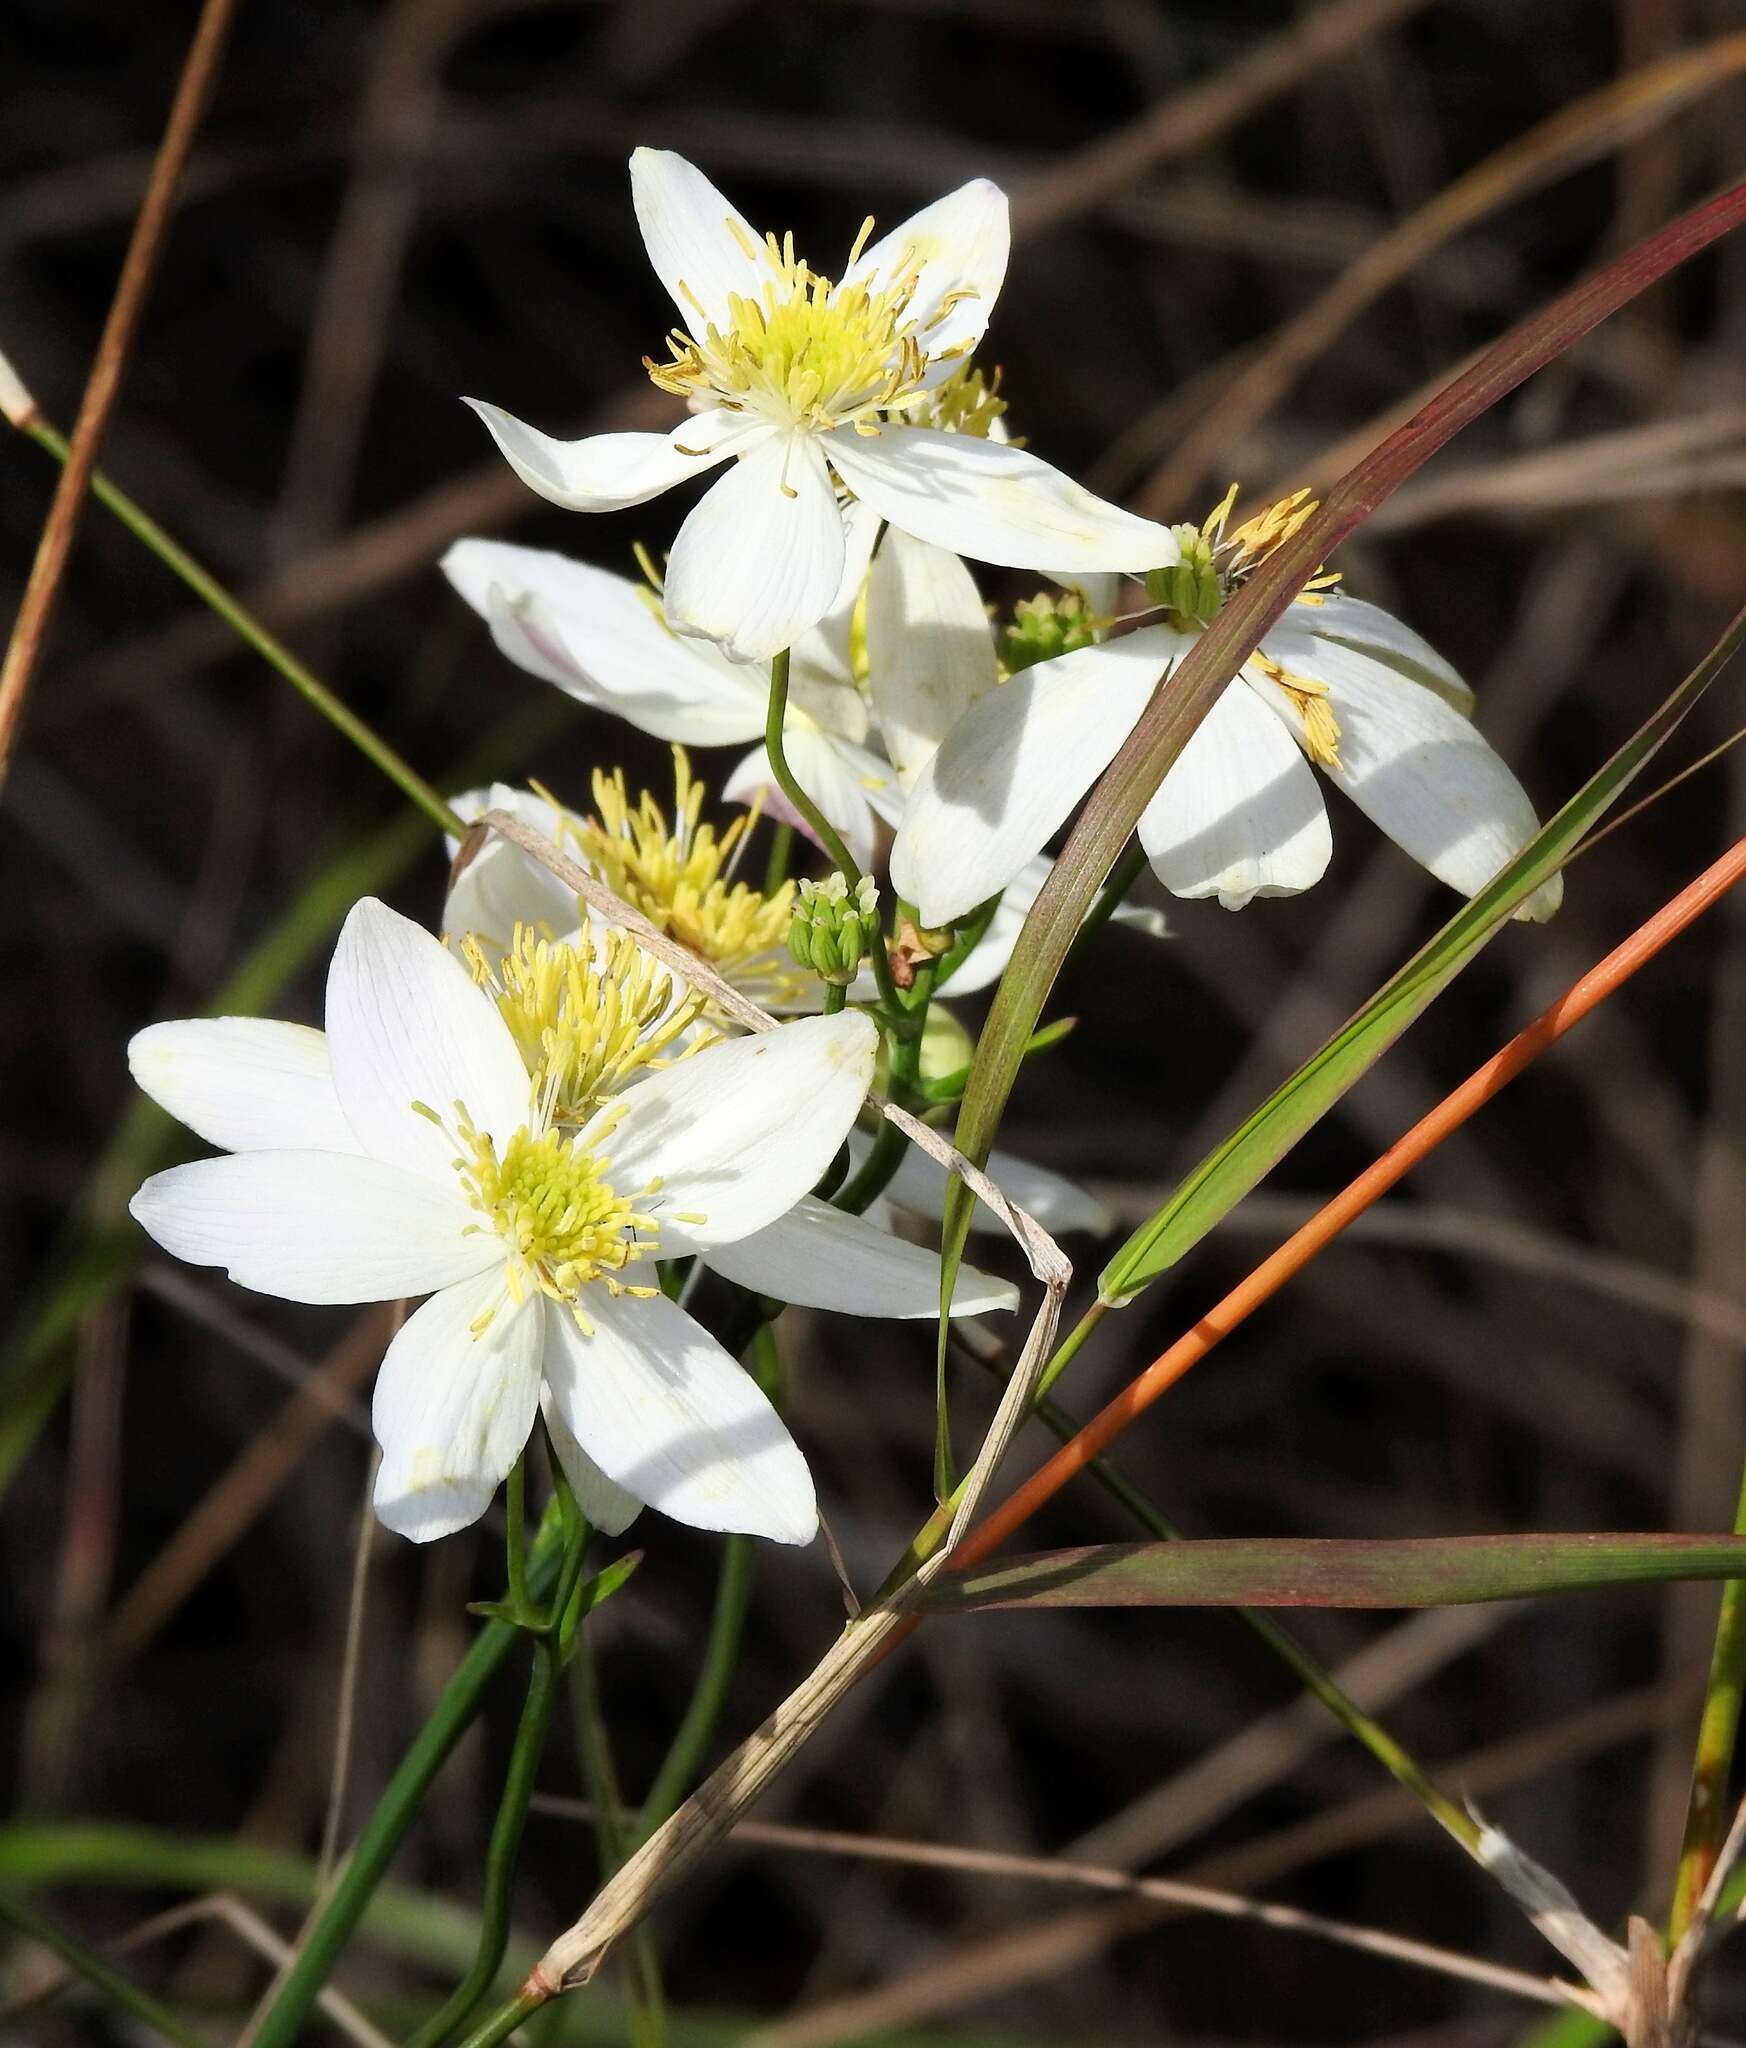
199, 73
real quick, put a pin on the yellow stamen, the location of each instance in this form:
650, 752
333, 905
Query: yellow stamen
680, 878
585, 1016
1309, 695
563, 1225
806, 352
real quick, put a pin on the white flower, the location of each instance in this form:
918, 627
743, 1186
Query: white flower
677, 881
409, 1152
602, 640
805, 384
1337, 682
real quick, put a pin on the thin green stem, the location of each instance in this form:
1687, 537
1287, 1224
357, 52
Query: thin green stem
1707, 1811
515, 1533
775, 721
503, 1853
1121, 878
243, 622
646, 1995
779, 860
99, 1973
835, 997
504, 2021
398, 1807
721, 1656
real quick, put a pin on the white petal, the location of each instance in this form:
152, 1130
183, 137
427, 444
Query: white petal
759, 559
454, 1406
696, 253
1239, 814
602, 638
819, 1257
1371, 630
249, 1084
930, 653
737, 1133
670, 1418
1015, 765
406, 1024
1100, 588
958, 244
501, 886
919, 1185
993, 502
607, 1507
1419, 770
606, 472
315, 1226
843, 780
824, 654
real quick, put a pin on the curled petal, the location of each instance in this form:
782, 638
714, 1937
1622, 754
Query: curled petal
606, 472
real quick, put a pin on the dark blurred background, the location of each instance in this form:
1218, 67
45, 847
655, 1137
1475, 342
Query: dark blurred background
394, 205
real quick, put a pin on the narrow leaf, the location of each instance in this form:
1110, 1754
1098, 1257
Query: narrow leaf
1270, 1571
1232, 1168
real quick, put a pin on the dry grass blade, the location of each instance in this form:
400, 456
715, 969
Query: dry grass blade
1099, 1877
1602, 122
194, 89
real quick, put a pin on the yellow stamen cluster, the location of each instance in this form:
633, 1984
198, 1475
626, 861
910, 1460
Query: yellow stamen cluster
563, 1224
1241, 551
1321, 729
805, 352
584, 1016
681, 878
966, 403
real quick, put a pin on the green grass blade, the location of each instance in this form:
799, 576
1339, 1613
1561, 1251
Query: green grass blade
1228, 1172
1289, 1571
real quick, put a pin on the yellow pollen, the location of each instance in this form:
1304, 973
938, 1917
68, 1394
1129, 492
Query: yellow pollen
681, 878
1238, 553
806, 352
1321, 729
562, 1223
585, 1016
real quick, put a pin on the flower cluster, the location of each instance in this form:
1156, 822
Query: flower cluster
548, 1134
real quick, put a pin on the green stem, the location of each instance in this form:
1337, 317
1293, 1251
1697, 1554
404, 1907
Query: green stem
1707, 1814
99, 1973
775, 720
647, 1996
1120, 879
397, 1808
515, 1533
727, 1629
243, 622
505, 2020
505, 1848
835, 997
781, 858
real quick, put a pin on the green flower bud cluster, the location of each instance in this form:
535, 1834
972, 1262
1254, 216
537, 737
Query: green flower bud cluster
1191, 588
1044, 626
833, 928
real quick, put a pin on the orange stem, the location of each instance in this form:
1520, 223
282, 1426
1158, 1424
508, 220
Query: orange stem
1601, 981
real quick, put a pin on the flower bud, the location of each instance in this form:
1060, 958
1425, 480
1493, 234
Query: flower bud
833, 928
1190, 588
1044, 626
